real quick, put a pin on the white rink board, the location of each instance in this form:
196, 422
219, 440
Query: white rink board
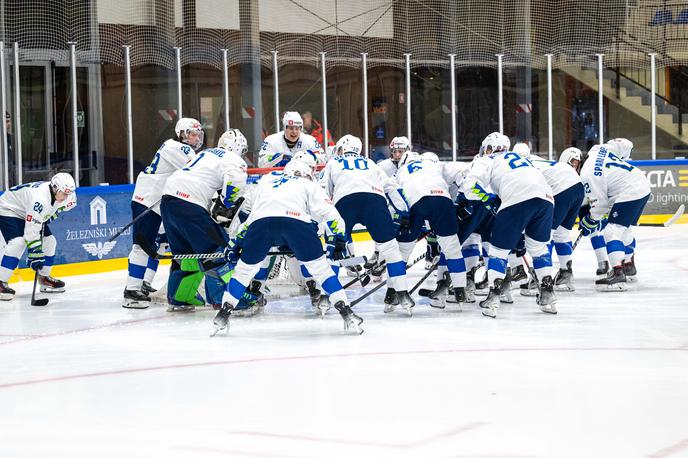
606, 377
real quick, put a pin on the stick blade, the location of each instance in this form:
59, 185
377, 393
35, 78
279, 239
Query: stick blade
40, 302
676, 216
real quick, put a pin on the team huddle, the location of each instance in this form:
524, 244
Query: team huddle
506, 210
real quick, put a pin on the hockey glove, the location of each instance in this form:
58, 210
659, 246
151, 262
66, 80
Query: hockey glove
589, 225
520, 249
403, 219
232, 252
36, 257
223, 215
336, 247
492, 203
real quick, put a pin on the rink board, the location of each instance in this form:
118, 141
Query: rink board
82, 233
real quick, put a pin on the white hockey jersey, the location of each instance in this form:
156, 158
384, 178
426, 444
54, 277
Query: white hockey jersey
419, 179
608, 179
31, 202
352, 173
150, 183
280, 195
214, 169
456, 171
511, 176
559, 176
276, 153
388, 166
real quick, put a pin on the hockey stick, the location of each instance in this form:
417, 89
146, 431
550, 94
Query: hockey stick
670, 221
427, 274
364, 281
384, 282
37, 302
133, 221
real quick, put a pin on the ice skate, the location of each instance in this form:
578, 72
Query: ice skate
614, 281
563, 281
602, 269
353, 271
505, 297
135, 299
377, 271
221, 320
6, 293
252, 302
491, 303
470, 285
50, 284
518, 274
529, 289
438, 297
405, 301
313, 292
546, 298
391, 300
630, 270
147, 289
323, 305
351, 320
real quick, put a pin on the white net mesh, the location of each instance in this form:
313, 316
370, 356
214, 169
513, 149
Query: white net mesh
474, 30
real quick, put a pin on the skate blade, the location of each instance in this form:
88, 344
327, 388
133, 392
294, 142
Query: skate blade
551, 309
247, 312
529, 292
181, 308
389, 308
217, 330
506, 298
616, 287
351, 325
136, 305
489, 312
52, 290
408, 309
438, 303
6, 297
564, 288
481, 292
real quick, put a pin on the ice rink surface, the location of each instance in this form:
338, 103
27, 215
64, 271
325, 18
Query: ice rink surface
606, 377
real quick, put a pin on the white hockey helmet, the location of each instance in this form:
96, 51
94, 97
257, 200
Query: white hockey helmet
429, 156
307, 157
348, 144
292, 118
613, 147
187, 125
502, 143
488, 141
625, 147
63, 182
409, 156
522, 148
298, 169
571, 154
400, 143
233, 141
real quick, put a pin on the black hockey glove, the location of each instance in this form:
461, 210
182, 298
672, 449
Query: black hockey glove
223, 215
336, 247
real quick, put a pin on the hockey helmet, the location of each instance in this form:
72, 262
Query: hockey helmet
233, 141
348, 144
63, 182
184, 127
522, 148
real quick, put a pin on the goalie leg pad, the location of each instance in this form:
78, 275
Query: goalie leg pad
183, 283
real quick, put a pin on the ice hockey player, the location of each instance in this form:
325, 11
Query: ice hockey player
284, 206
615, 188
625, 148
361, 192
278, 149
397, 147
426, 189
172, 155
186, 208
526, 205
562, 176
24, 210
